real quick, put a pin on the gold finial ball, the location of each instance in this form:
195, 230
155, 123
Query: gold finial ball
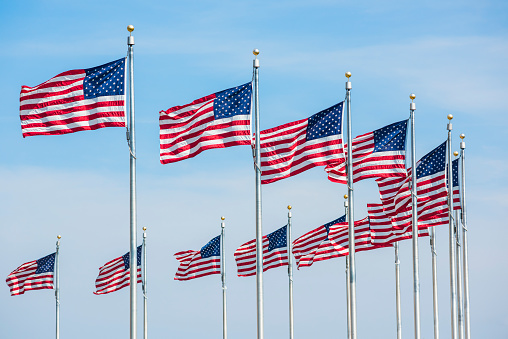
289, 207
222, 218
462, 136
144, 228
455, 153
348, 75
59, 236
449, 116
130, 28
412, 96
345, 196
255, 51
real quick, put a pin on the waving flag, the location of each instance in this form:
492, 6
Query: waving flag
197, 264
316, 245
384, 232
275, 253
33, 275
339, 236
377, 154
217, 120
455, 180
77, 100
297, 146
432, 196
115, 274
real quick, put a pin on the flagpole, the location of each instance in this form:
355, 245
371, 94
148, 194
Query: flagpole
467, 323
460, 312
352, 264
290, 274
453, 287
259, 231
434, 281
57, 287
132, 163
223, 278
145, 289
414, 197
397, 290
348, 292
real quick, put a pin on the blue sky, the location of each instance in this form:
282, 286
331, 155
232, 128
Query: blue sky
451, 54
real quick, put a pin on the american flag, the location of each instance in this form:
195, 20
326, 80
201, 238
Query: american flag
455, 180
115, 274
76, 100
197, 264
339, 236
396, 197
217, 120
275, 253
384, 232
297, 146
33, 275
316, 245
378, 154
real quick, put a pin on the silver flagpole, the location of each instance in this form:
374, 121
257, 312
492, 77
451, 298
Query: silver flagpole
145, 289
57, 287
452, 243
132, 162
223, 278
460, 313
352, 265
397, 290
434, 281
290, 274
467, 323
414, 197
348, 292
259, 230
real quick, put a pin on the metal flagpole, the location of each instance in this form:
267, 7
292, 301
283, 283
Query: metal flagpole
460, 313
467, 323
434, 281
397, 290
223, 278
145, 289
259, 231
57, 287
290, 274
132, 162
414, 197
352, 265
452, 243
348, 292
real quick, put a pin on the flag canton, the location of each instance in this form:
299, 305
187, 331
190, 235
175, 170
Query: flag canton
455, 172
325, 123
46, 264
105, 80
233, 101
277, 239
433, 162
126, 258
212, 249
391, 137
331, 223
